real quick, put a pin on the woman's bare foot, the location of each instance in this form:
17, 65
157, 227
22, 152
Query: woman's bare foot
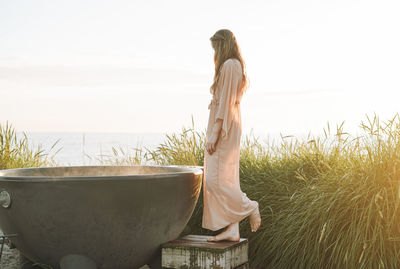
255, 220
230, 234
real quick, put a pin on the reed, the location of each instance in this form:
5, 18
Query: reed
185, 148
120, 156
330, 201
326, 202
17, 152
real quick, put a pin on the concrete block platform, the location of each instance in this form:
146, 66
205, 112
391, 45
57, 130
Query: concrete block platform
193, 251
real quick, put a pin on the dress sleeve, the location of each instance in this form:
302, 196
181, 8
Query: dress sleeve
228, 84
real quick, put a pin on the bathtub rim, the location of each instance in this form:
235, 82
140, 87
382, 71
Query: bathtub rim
194, 170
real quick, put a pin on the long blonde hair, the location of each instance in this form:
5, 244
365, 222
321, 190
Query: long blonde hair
225, 47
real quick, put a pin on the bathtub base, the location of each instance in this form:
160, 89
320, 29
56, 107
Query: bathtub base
76, 261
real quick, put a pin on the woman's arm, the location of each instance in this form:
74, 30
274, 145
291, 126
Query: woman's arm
230, 79
217, 127
229, 82
215, 133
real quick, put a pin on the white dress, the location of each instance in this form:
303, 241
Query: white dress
224, 201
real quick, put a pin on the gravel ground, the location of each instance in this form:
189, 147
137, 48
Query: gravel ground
9, 258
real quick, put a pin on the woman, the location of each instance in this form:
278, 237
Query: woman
225, 205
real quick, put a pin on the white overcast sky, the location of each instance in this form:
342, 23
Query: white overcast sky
146, 66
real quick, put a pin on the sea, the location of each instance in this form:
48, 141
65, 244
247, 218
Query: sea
75, 148
87, 148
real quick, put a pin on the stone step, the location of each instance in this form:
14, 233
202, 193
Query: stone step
193, 251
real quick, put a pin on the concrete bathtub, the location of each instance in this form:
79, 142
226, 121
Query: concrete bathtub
106, 217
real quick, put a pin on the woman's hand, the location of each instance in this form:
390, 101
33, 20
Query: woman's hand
213, 139
211, 143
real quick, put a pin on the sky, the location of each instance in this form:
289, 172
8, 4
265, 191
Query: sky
146, 66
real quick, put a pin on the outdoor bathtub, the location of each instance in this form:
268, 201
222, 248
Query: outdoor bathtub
108, 216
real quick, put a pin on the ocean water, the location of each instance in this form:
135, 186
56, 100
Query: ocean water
87, 148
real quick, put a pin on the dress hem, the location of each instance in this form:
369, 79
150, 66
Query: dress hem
239, 219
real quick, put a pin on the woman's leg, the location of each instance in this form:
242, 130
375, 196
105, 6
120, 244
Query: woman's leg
231, 234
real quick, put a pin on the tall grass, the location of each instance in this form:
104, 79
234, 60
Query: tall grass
331, 201
185, 148
17, 152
